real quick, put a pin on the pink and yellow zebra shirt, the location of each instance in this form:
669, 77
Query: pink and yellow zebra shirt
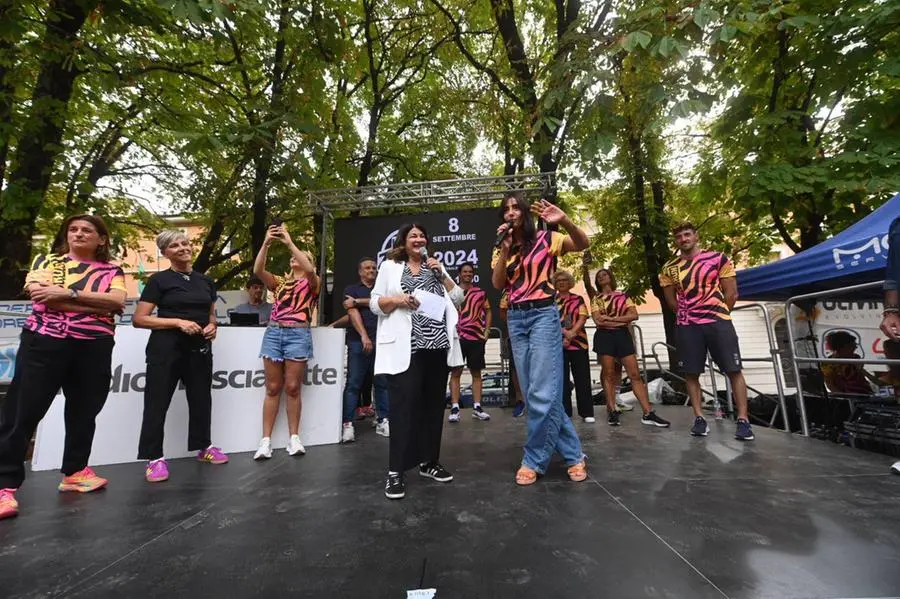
613, 304
698, 287
64, 271
528, 278
473, 314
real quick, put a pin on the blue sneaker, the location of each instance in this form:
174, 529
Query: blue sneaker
700, 428
743, 432
519, 409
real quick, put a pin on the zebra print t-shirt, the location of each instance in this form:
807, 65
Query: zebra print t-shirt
426, 333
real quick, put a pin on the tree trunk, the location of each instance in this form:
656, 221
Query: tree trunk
8, 57
40, 140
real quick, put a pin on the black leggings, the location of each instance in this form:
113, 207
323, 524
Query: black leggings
173, 357
418, 397
578, 362
44, 365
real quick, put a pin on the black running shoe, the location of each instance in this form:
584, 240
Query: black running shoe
613, 418
395, 486
435, 471
652, 419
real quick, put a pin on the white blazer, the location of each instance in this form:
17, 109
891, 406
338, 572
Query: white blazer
393, 345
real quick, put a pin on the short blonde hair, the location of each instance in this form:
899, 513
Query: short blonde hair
563, 274
167, 237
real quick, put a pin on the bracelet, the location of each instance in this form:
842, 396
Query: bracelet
891, 310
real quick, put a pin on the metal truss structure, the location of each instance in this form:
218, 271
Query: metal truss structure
429, 194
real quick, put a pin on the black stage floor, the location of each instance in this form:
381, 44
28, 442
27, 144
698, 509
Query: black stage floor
662, 515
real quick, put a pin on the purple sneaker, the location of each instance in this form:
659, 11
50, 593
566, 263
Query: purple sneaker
213, 455
157, 471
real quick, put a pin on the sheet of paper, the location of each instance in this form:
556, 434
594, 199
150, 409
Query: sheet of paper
430, 304
421, 593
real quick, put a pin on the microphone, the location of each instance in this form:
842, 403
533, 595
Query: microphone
502, 236
438, 273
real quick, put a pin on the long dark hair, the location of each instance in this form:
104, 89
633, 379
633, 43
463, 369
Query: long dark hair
101, 254
398, 254
612, 280
529, 233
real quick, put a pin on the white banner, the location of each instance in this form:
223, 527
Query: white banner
860, 318
238, 390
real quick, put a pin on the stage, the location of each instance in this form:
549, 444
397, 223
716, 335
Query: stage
662, 515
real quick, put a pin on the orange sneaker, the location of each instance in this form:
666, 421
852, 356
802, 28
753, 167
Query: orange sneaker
578, 472
83, 481
9, 507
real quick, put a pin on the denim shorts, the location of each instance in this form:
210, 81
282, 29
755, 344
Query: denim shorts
280, 344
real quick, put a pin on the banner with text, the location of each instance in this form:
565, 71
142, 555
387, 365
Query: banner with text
455, 237
238, 390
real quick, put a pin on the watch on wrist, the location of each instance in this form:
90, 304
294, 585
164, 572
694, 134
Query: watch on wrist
73, 294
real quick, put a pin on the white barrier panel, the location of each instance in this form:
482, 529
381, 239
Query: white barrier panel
237, 397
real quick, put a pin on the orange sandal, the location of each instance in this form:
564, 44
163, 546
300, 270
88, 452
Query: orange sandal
525, 476
578, 472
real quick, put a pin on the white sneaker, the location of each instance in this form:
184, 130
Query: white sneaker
895, 467
295, 447
348, 435
383, 428
624, 407
590, 420
479, 414
265, 449
454, 415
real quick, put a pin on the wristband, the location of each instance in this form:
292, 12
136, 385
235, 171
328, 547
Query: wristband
891, 310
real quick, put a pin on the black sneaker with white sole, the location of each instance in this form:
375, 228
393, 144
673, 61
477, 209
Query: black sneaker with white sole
612, 418
436, 471
395, 485
652, 419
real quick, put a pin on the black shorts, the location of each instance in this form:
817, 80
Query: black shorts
473, 353
719, 338
613, 342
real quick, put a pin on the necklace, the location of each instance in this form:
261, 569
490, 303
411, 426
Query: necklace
184, 275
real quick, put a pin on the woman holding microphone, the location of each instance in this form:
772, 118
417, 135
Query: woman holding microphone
67, 343
523, 266
179, 349
287, 342
416, 345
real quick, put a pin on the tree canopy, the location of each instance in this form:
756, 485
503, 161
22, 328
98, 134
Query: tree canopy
761, 121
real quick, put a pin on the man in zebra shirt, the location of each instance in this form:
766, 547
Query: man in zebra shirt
474, 327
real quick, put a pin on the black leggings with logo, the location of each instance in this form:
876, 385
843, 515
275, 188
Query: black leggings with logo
173, 357
44, 365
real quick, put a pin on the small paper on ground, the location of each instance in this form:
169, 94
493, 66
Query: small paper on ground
421, 594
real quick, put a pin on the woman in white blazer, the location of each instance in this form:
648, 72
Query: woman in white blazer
416, 353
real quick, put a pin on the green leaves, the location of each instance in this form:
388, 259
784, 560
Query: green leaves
636, 39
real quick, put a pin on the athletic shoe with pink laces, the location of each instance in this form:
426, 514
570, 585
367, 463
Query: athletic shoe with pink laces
213, 455
83, 481
157, 471
9, 507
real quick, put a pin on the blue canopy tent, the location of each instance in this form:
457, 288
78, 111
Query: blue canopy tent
856, 255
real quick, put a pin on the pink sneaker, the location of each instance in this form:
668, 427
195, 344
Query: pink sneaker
213, 455
83, 481
9, 507
157, 471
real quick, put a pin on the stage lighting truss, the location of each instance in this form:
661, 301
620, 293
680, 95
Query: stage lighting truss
428, 194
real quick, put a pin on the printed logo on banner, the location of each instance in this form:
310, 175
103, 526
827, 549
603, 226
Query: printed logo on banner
125, 382
867, 253
387, 245
8, 362
828, 351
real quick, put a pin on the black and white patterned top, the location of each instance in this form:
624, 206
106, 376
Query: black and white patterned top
426, 333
